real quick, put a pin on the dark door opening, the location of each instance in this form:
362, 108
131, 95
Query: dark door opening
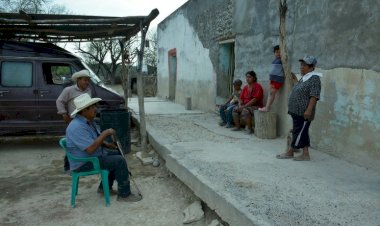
172, 74
226, 70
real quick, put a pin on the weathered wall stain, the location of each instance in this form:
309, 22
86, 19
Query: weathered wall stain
348, 113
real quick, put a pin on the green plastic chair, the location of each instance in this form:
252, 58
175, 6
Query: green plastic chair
75, 175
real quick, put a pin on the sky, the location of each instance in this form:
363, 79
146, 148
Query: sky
121, 8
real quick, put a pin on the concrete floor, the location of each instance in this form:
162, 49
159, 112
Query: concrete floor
239, 177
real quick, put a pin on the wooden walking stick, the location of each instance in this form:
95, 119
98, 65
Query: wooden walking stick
119, 148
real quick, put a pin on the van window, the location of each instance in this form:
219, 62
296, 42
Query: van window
19, 74
57, 73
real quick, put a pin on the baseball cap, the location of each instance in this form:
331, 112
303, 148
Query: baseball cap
311, 60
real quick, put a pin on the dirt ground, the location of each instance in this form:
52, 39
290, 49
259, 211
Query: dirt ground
35, 191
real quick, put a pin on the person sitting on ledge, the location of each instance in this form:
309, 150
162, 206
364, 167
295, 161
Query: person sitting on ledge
226, 109
251, 98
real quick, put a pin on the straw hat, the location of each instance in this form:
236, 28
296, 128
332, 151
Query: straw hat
80, 74
83, 101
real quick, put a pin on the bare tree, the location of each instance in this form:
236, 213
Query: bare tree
94, 55
56, 9
150, 52
128, 71
32, 6
105, 56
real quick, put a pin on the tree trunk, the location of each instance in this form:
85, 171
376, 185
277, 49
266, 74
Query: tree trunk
283, 46
283, 120
265, 125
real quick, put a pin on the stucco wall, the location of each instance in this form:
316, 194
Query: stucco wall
195, 74
343, 34
348, 116
340, 33
193, 30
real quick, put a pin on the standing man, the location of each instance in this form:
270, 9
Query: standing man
65, 101
301, 107
85, 140
251, 98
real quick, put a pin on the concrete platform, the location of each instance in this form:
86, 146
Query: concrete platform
157, 106
238, 175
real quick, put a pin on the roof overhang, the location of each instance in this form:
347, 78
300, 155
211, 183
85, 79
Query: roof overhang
70, 28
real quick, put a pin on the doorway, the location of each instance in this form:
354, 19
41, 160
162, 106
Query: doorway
172, 54
226, 69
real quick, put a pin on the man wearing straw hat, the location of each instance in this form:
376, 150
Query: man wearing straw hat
85, 140
65, 101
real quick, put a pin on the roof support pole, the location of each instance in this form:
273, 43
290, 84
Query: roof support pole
140, 89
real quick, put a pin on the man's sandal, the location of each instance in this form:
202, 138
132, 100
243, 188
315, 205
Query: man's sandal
284, 156
302, 158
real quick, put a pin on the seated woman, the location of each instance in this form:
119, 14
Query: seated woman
251, 98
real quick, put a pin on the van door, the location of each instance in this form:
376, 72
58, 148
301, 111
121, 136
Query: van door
17, 96
53, 78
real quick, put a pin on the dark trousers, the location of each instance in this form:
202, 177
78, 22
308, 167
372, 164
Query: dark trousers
225, 112
118, 171
304, 140
66, 164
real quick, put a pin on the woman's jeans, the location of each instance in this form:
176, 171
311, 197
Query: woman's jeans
225, 112
117, 167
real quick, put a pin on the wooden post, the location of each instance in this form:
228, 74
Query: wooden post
265, 124
281, 102
140, 90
